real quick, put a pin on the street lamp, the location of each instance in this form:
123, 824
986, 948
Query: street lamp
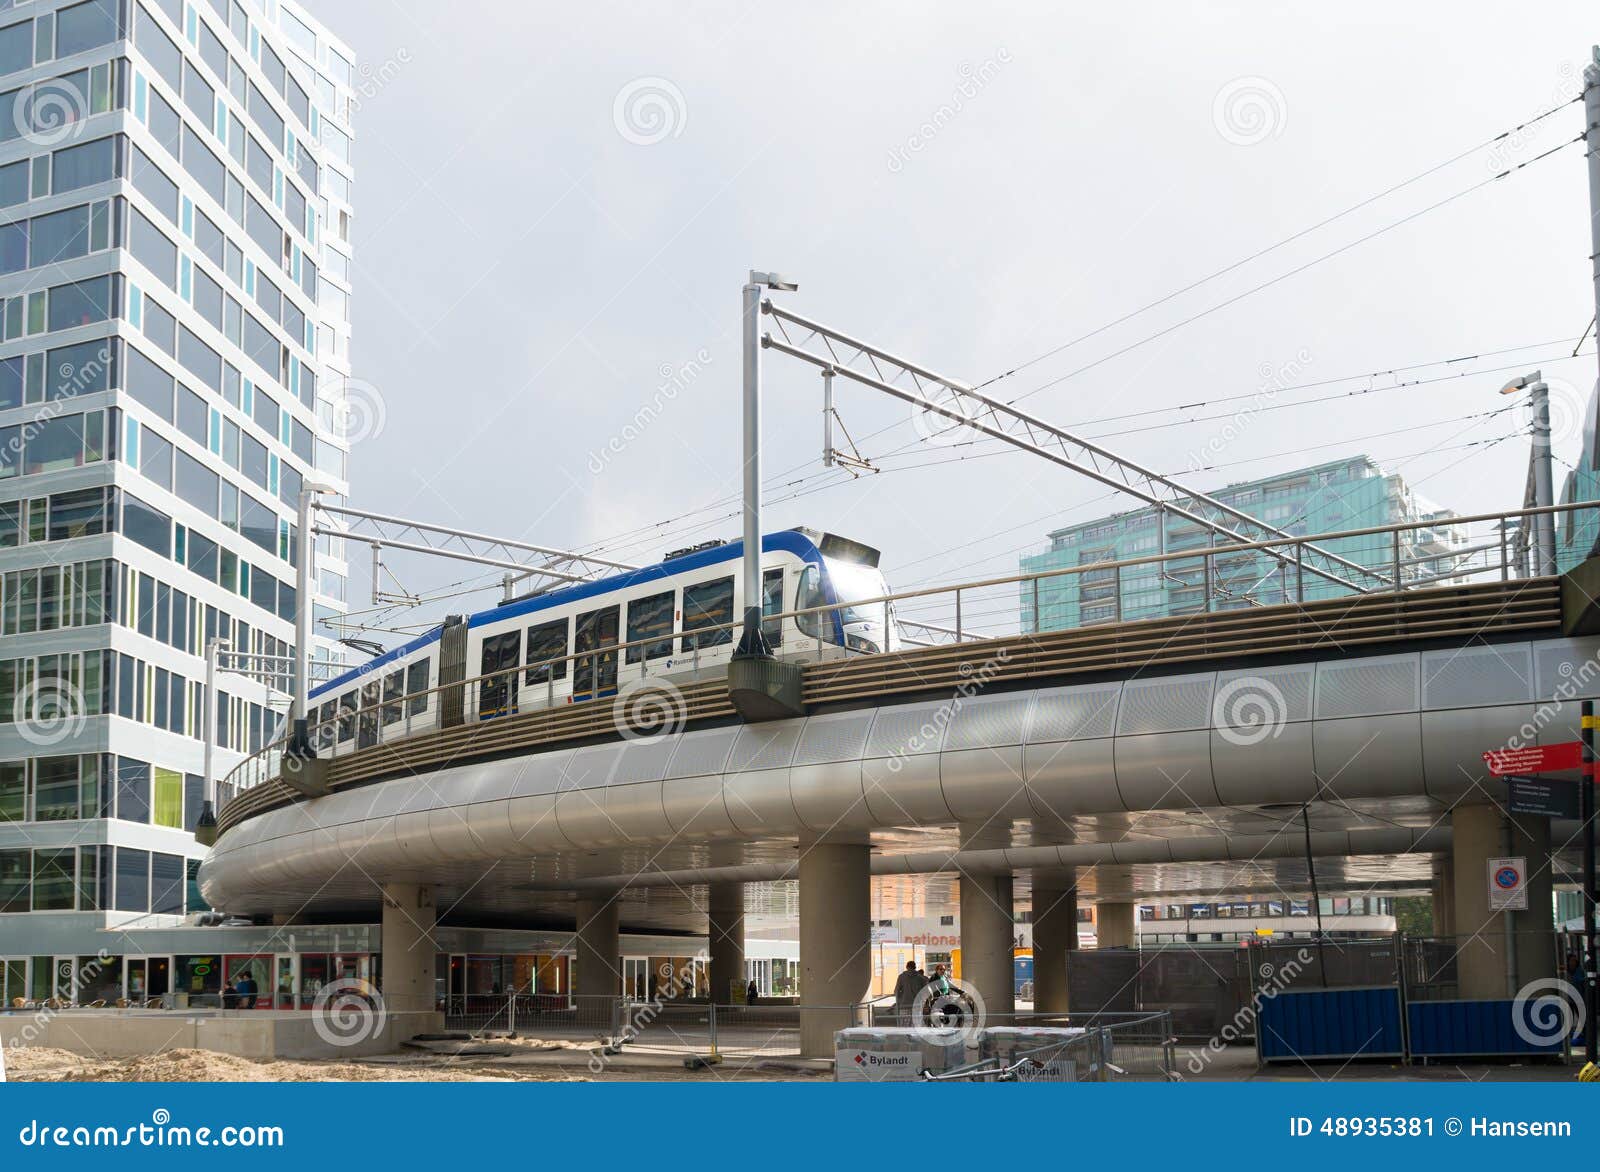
760, 685
752, 643
1544, 526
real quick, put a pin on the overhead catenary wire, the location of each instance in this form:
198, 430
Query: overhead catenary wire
1298, 269
631, 539
1287, 240
799, 487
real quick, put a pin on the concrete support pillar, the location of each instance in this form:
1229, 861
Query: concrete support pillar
407, 979
1113, 925
835, 941
988, 928
1444, 896
1055, 933
725, 935
599, 948
1499, 952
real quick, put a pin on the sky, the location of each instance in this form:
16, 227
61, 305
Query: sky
556, 206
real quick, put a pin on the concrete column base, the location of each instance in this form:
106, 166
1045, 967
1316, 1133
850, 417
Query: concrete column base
1500, 952
598, 947
988, 929
835, 944
1055, 933
409, 918
725, 938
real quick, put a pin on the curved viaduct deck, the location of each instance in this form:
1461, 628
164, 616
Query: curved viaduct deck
1379, 707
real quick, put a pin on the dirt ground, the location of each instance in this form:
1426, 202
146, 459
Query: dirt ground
40, 1064
514, 1060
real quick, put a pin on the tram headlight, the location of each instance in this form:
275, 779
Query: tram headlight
857, 643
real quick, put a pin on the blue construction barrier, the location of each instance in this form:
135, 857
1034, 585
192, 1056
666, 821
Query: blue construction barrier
1319, 1024
1463, 1029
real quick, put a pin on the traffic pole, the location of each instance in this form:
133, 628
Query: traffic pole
1586, 814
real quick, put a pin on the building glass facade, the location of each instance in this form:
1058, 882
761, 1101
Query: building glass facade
1341, 495
175, 186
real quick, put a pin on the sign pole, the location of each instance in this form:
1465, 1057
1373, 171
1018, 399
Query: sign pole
1586, 813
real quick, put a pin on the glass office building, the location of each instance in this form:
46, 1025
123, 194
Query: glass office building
174, 307
1342, 495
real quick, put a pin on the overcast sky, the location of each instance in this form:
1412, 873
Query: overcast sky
557, 203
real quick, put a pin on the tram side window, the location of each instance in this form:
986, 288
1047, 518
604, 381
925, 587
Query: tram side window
367, 726
648, 617
595, 631
810, 595
347, 716
417, 681
547, 642
707, 605
325, 725
394, 686
497, 693
499, 652
772, 603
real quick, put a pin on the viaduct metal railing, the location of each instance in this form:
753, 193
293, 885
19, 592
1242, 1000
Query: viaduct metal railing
1451, 589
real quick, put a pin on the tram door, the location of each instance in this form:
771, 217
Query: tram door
498, 696
595, 675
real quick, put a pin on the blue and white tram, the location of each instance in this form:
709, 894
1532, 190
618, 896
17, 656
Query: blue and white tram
689, 600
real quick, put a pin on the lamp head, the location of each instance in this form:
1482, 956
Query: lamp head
775, 281
1518, 384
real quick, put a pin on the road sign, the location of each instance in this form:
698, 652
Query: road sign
1535, 758
1548, 797
1508, 885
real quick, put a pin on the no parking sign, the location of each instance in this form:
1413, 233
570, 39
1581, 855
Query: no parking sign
1508, 885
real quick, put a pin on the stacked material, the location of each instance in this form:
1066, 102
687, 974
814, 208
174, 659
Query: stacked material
895, 1053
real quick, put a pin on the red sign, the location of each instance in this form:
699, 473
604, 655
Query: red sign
1535, 759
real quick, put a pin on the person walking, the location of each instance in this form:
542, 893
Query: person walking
907, 985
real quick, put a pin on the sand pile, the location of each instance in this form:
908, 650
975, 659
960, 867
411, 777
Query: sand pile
39, 1064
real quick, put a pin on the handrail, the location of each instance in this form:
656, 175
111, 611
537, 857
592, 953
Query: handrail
1207, 553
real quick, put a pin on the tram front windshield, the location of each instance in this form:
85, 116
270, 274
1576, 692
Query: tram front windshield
854, 583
